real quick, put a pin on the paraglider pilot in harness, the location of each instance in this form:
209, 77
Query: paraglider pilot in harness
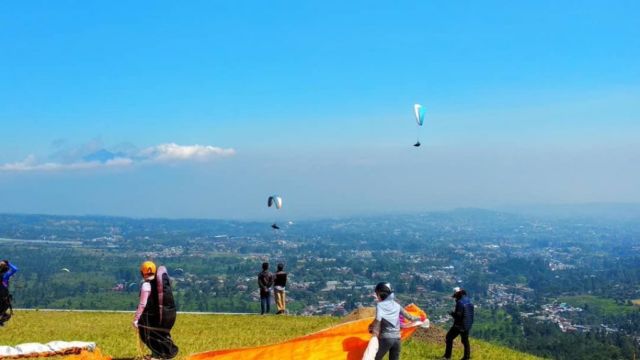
7, 270
156, 312
275, 201
462, 322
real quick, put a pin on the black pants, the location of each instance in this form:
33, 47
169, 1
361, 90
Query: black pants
5, 307
4, 317
388, 345
265, 303
158, 341
464, 336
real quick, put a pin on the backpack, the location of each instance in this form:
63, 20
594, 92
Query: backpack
166, 303
467, 319
5, 304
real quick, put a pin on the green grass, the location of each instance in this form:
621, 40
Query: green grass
196, 333
480, 350
597, 305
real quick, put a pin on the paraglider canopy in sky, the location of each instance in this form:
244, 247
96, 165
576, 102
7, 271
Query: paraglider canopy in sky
276, 202
419, 111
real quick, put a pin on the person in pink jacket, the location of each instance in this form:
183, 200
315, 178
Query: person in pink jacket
147, 317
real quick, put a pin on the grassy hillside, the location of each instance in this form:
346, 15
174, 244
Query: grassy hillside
195, 333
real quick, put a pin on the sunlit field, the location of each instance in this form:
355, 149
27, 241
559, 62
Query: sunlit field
196, 333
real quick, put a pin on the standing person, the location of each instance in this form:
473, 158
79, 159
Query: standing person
462, 322
155, 315
7, 270
386, 325
265, 282
279, 285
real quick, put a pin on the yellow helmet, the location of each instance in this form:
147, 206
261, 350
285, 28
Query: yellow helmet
147, 269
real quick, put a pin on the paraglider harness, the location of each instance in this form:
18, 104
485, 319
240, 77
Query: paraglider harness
160, 312
6, 310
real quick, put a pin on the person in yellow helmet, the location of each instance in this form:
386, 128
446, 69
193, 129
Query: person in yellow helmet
147, 319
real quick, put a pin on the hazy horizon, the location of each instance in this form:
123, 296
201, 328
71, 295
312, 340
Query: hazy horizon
602, 211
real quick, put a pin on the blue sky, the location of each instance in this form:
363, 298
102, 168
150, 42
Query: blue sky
526, 102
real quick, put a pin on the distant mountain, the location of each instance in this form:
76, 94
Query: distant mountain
102, 156
601, 211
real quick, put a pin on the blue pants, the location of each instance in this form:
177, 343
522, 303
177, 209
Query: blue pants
265, 303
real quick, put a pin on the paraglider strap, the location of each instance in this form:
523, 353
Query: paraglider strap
160, 283
154, 328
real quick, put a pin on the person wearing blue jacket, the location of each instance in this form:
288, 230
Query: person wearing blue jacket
7, 270
462, 323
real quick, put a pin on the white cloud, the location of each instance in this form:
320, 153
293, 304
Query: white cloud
173, 152
31, 164
163, 153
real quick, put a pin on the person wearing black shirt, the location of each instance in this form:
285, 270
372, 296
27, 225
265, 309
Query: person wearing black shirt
278, 290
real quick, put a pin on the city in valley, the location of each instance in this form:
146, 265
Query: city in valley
574, 278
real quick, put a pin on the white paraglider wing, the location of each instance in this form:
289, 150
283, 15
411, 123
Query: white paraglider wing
53, 348
278, 202
275, 201
419, 112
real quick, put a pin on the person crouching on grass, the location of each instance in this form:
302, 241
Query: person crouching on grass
386, 325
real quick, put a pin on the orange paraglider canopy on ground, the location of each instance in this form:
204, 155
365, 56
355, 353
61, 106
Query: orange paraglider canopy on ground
346, 341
